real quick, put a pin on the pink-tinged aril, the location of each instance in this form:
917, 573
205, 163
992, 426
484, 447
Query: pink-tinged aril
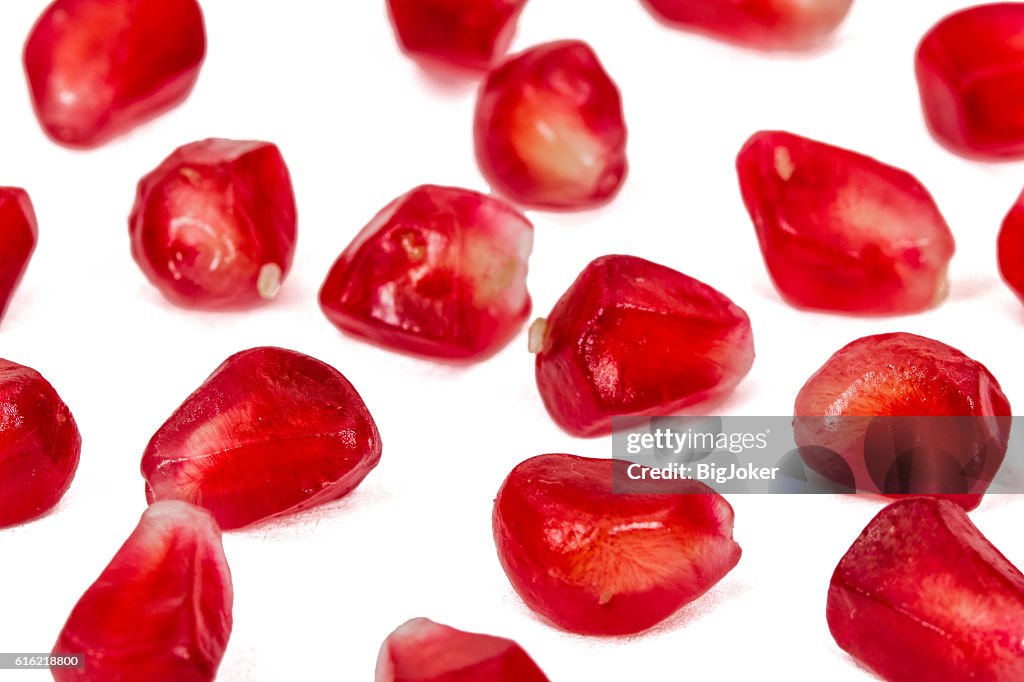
904, 414
466, 35
439, 272
631, 338
98, 68
424, 651
39, 445
549, 128
923, 595
270, 432
161, 609
763, 24
214, 226
842, 232
597, 560
970, 72
18, 235
1011, 248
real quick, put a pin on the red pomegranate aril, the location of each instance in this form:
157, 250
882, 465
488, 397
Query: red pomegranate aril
39, 445
928, 411
970, 72
1011, 248
764, 24
98, 68
440, 272
424, 651
18, 235
923, 595
270, 432
599, 561
549, 128
631, 338
465, 35
842, 232
161, 610
214, 226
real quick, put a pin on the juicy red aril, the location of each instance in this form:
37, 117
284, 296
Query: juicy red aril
632, 338
214, 226
98, 68
970, 71
942, 422
439, 272
270, 432
549, 128
843, 232
923, 595
424, 651
39, 445
1011, 248
599, 562
161, 610
18, 234
464, 34
765, 24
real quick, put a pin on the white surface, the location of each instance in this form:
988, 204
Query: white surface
359, 124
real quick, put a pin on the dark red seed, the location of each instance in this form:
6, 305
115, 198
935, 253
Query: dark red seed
18, 235
39, 445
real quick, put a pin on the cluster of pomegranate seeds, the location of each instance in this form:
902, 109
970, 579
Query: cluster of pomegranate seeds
214, 226
634, 338
270, 432
970, 71
1011, 249
161, 610
599, 562
896, 378
424, 651
468, 35
923, 595
549, 128
39, 445
840, 231
18, 234
439, 272
98, 68
764, 24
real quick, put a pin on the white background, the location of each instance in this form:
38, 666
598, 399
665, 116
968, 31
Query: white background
360, 124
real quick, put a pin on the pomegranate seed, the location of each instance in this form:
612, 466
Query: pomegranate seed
549, 128
1011, 249
161, 609
696, 345
843, 232
602, 563
424, 651
439, 272
98, 68
39, 445
214, 226
903, 377
270, 432
764, 24
970, 69
923, 595
461, 34
18, 234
